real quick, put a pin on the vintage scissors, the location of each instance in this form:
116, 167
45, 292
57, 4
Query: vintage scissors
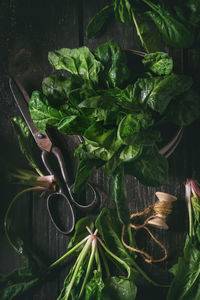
46, 145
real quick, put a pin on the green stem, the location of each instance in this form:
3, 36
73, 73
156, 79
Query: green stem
39, 172
53, 265
90, 263
79, 262
138, 31
130, 235
150, 4
7, 215
104, 262
98, 262
126, 266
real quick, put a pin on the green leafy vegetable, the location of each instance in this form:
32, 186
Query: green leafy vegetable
118, 194
174, 32
78, 61
26, 142
185, 284
159, 63
151, 168
178, 23
113, 59
97, 23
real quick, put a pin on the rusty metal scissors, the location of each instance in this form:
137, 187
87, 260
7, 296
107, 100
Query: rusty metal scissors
64, 193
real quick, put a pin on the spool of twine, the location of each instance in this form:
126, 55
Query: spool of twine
161, 209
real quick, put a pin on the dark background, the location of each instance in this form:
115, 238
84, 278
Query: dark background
29, 29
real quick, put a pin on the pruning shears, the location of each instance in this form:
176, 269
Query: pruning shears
48, 148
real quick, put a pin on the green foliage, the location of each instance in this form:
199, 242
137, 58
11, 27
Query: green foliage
113, 59
27, 144
151, 168
119, 288
16, 283
178, 23
78, 61
173, 31
160, 63
118, 194
97, 23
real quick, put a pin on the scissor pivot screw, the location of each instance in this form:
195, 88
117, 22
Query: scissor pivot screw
40, 135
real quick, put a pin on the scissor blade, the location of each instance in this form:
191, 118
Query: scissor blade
22, 99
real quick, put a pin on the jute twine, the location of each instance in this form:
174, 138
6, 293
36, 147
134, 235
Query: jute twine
162, 208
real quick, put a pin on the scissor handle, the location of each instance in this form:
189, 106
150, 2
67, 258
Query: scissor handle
56, 151
58, 154
89, 206
52, 214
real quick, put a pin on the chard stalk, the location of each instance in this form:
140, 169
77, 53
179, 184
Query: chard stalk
104, 262
78, 263
119, 260
90, 263
53, 265
189, 205
98, 262
6, 226
138, 31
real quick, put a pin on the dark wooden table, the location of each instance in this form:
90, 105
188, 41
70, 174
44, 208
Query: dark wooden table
29, 29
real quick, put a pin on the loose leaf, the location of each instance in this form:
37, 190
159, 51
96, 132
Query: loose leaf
26, 142
16, 283
97, 23
159, 63
93, 289
185, 109
151, 168
78, 61
119, 288
174, 32
118, 194
113, 59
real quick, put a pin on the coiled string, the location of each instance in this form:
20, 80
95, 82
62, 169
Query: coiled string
161, 209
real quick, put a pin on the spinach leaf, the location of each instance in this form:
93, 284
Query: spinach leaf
93, 289
78, 61
97, 135
160, 63
130, 153
166, 90
132, 130
83, 173
110, 228
150, 36
151, 168
16, 283
80, 231
74, 294
116, 70
174, 32
119, 288
97, 23
185, 284
118, 194
26, 142
55, 89
185, 109
42, 113
123, 11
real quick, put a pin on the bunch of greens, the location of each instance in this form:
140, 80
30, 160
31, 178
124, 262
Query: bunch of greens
176, 21
116, 112
185, 284
91, 276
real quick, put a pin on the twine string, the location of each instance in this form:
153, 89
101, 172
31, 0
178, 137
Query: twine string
163, 208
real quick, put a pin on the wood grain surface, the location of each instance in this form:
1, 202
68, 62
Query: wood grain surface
29, 29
